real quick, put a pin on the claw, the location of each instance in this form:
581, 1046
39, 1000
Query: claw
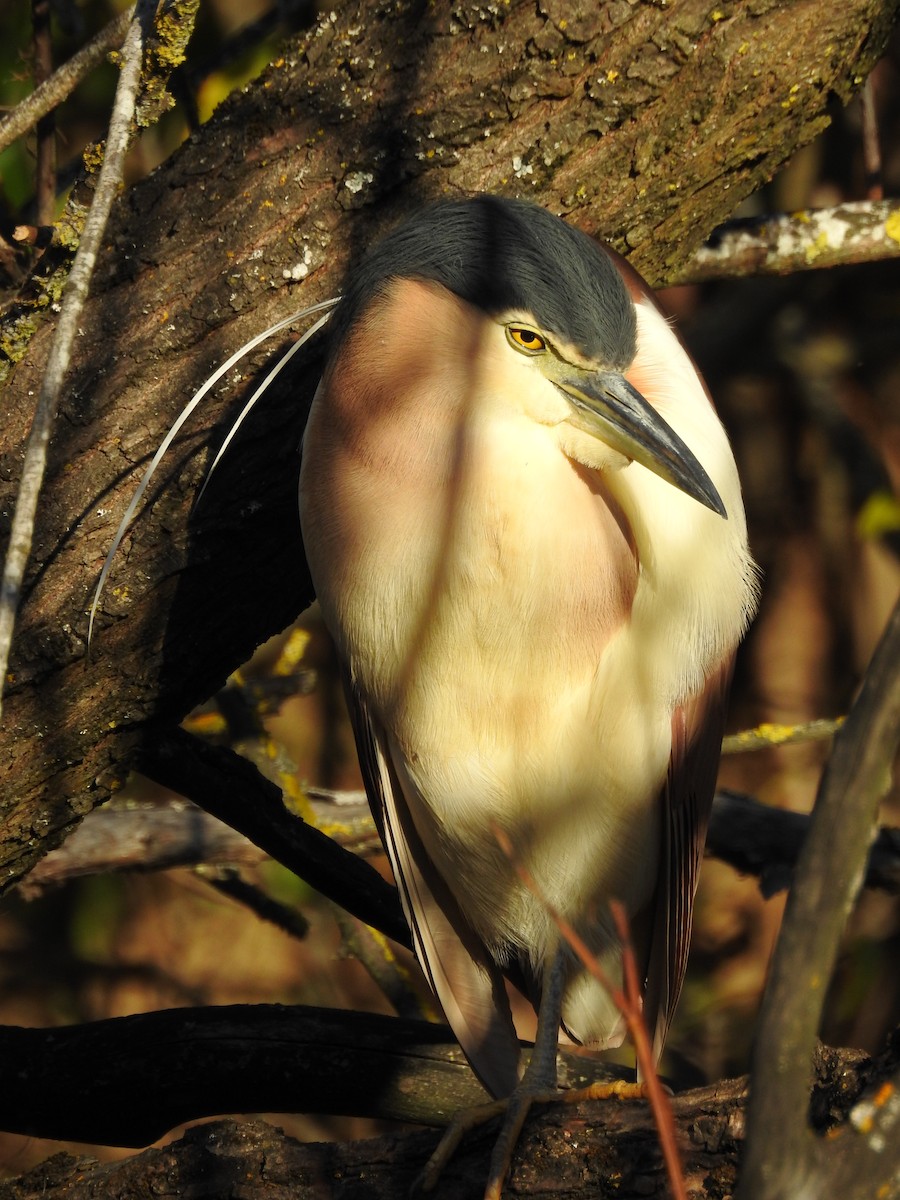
464, 1121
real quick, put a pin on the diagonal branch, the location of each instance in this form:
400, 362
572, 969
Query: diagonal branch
109, 180
784, 1158
230, 788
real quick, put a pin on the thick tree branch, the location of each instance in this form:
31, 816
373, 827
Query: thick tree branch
79, 1083
607, 1151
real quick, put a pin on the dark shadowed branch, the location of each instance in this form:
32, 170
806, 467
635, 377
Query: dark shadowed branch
230, 788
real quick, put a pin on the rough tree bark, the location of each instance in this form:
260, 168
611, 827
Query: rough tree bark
644, 123
564, 1156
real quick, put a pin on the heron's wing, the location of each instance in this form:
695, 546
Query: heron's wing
463, 976
686, 799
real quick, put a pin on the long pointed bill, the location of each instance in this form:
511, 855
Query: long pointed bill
608, 407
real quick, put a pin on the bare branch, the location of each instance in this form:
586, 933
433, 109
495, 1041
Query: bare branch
45, 173
769, 735
759, 840
754, 838
784, 1158
228, 882
780, 244
156, 836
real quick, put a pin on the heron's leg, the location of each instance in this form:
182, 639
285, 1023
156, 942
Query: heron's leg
538, 1084
539, 1081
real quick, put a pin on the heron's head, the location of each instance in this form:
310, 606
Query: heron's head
556, 329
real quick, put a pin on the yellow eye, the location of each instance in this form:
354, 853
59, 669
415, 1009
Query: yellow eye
525, 339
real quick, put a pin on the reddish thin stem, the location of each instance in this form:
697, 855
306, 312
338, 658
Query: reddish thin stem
629, 1005
659, 1098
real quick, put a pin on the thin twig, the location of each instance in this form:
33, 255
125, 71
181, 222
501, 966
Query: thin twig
108, 181
230, 883
769, 735
375, 956
659, 1099
45, 172
62, 82
871, 146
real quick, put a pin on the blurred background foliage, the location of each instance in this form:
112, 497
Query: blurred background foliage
232, 42
806, 373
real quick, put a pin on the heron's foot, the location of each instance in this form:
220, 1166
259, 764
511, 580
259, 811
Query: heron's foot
515, 1109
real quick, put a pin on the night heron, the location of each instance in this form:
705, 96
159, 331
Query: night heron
524, 525
525, 530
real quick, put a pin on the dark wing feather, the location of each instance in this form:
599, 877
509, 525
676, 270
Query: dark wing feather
686, 799
462, 974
